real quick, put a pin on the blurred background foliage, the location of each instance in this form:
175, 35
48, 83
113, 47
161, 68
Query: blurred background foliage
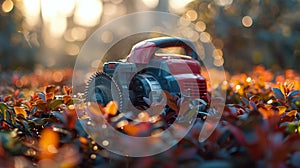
50, 33
251, 32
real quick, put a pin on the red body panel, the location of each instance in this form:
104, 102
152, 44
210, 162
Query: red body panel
142, 53
185, 69
187, 73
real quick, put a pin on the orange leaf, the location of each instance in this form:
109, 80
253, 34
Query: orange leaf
50, 96
67, 90
50, 88
265, 112
281, 109
292, 113
19, 110
111, 108
66, 99
48, 143
131, 129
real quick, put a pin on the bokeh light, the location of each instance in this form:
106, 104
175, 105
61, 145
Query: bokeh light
205, 37
151, 3
191, 15
247, 21
223, 2
31, 10
88, 12
7, 6
200, 26
178, 6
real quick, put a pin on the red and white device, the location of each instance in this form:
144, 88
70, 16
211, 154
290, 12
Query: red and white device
146, 73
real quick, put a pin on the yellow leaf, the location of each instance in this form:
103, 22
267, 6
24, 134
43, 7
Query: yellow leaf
291, 113
283, 89
48, 143
111, 108
19, 110
281, 109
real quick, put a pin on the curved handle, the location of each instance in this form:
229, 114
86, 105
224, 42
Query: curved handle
165, 42
143, 52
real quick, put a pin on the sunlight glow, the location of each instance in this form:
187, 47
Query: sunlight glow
66, 7
31, 11
49, 10
88, 12
7, 6
58, 27
178, 5
53, 18
223, 2
151, 3
55, 14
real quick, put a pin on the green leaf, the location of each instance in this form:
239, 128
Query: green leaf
3, 109
54, 104
296, 100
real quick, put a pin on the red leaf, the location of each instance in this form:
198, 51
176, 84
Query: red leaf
67, 90
71, 116
237, 133
16, 93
